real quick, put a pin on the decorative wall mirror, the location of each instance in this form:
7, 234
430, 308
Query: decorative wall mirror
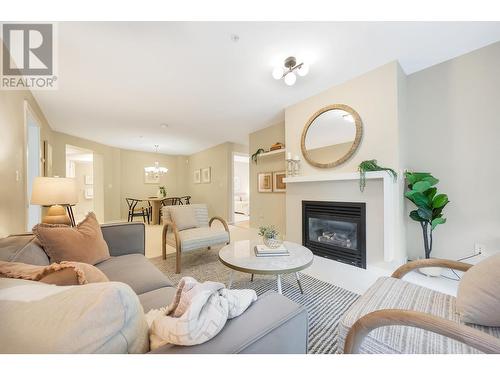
331, 136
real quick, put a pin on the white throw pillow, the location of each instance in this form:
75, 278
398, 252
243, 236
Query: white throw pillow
92, 318
184, 217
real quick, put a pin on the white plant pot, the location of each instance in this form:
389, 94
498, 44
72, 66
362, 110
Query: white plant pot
431, 271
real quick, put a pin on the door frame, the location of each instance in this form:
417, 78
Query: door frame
29, 112
231, 190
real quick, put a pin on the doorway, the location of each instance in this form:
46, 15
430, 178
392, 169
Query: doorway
80, 166
241, 189
33, 168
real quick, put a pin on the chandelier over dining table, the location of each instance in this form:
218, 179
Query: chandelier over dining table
156, 170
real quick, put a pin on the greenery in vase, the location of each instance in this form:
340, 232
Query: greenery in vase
429, 213
372, 166
268, 231
163, 191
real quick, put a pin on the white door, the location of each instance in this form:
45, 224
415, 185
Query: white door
32, 168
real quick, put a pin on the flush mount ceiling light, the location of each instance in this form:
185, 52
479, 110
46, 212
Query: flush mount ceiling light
155, 170
288, 70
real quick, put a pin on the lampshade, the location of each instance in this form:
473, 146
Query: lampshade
48, 191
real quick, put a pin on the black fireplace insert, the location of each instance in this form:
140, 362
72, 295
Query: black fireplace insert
335, 230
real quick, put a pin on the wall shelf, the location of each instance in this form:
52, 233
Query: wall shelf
270, 153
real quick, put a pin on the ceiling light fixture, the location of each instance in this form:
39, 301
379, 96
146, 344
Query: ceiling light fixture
155, 170
163, 125
288, 70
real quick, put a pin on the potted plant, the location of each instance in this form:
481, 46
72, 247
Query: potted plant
270, 236
162, 192
429, 213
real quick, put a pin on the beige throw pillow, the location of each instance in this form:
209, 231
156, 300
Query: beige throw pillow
64, 273
478, 297
83, 243
184, 217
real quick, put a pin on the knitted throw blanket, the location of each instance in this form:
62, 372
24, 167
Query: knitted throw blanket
197, 313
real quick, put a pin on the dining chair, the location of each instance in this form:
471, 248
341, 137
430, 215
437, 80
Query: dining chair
134, 211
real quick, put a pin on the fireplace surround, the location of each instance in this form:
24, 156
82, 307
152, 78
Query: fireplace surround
335, 230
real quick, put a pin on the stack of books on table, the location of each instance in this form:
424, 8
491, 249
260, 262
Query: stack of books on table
264, 251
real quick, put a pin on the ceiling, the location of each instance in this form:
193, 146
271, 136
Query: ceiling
119, 81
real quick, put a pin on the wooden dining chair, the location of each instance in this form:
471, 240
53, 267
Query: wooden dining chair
134, 211
186, 199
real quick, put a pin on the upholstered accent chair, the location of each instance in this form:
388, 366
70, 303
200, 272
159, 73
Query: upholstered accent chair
395, 316
187, 228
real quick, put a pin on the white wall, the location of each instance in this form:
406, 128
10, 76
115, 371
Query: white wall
454, 132
374, 96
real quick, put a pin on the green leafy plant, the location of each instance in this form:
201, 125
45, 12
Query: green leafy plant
256, 155
372, 166
163, 191
268, 231
429, 213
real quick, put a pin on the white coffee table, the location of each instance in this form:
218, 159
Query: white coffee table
240, 256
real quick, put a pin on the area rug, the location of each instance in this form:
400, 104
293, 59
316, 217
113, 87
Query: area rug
325, 303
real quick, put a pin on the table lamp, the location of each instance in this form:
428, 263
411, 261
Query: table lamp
55, 193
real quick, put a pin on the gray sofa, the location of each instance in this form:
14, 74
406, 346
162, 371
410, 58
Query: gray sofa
273, 324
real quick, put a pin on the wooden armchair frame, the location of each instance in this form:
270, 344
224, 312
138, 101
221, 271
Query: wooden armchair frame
380, 318
178, 254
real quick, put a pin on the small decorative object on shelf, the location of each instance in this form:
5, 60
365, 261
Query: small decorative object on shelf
372, 166
270, 236
277, 146
292, 165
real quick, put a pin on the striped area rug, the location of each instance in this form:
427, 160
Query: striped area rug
325, 303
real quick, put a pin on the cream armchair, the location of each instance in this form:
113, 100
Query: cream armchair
395, 316
187, 228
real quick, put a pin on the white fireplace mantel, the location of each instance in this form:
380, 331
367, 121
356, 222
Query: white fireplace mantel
392, 204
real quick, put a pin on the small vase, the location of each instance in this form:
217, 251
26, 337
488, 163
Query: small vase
272, 243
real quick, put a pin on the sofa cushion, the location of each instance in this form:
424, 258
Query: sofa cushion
391, 293
157, 298
23, 249
478, 297
92, 318
197, 238
83, 243
136, 271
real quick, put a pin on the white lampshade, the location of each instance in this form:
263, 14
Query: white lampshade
48, 191
290, 79
303, 70
277, 72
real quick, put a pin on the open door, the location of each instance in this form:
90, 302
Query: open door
33, 168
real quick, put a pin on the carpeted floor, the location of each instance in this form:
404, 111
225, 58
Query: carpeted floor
325, 303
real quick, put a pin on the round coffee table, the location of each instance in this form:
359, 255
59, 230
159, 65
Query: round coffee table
240, 256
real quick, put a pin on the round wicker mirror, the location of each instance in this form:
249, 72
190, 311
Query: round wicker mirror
331, 136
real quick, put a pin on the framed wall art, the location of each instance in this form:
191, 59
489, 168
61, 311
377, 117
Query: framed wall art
265, 182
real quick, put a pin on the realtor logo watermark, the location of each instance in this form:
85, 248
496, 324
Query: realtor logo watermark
28, 56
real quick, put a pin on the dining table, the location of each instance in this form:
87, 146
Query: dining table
155, 208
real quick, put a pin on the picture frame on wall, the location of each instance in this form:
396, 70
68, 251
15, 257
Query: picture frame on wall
151, 178
89, 193
279, 186
197, 176
206, 175
265, 182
